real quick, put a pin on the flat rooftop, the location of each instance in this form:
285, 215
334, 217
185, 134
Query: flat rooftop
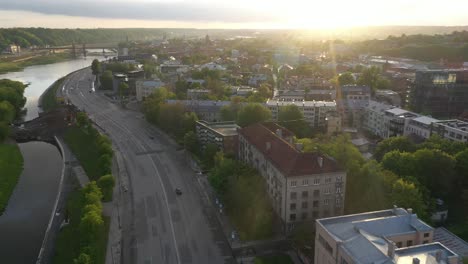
223, 128
274, 102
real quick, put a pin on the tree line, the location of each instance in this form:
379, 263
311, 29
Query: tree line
12, 101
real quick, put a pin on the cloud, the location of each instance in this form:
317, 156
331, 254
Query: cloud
174, 11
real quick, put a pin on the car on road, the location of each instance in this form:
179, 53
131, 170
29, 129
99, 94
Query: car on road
178, 191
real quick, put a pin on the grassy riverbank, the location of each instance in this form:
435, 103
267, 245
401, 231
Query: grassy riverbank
49, 99
12, 66
70, 239
11, 166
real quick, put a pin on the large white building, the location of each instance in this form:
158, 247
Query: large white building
455, 130
302, 186
395, 236
315, 112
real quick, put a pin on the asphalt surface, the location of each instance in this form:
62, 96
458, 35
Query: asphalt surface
158, 226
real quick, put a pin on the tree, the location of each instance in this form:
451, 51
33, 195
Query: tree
265, 91
96, 67
253, 113
405, 194
83, 258
106, 183
402, 144
346, 78
106, 80
153, 103
209, 153
462, 166
7, 112
123, 89
4, 131
292, 118
90, 224
191, 142
82, 119
370, 77
105, 164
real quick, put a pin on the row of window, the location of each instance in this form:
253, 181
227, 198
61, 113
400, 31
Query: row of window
316, 193
316, 181
315, 204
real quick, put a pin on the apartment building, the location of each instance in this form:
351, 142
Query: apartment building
144, 88
351, 100
420, 126
302, 186
315, 112
390, 236
440, 93
221, 134
455, 130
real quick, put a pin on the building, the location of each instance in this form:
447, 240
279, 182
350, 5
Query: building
243, 90
213, 66
173, 67
207, 110
195, 94
455, 130
390, 236
396, 119
440, 93
301, 186
221, 134
333, 122
351, 101
12, 49
324, 94
117, 79
315, 112
388, 96
144, 88
257, 79
419, 126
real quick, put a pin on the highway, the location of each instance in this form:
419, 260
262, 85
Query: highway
157, 226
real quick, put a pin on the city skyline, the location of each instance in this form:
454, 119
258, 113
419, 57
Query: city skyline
261, 14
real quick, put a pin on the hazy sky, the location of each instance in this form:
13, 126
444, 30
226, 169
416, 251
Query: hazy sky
231, 14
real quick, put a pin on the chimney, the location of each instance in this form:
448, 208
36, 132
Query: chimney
279, 133
320, 161
268, 146
391, 249
299, 146
415, 261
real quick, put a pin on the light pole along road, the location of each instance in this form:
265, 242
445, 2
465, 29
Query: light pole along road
158, 226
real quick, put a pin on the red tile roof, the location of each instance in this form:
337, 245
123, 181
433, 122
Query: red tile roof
284, 155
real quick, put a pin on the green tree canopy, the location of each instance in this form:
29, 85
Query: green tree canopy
346, 78
96, 67
106, 80
292, 118
393, 143
253, 113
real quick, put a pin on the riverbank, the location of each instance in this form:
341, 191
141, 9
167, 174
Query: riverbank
19, 65
11, 166
48, 100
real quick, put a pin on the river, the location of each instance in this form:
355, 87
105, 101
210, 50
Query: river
23, 224
40, 77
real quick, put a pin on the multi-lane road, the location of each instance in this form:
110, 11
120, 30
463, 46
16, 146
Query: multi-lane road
157, 225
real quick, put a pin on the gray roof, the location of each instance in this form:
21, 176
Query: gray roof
451, 241
425, 120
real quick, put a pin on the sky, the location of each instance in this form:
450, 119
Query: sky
303, 14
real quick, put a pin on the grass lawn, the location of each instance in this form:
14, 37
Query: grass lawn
69, 241
274, 259
82, 145
11, 166
40, 60
49, 99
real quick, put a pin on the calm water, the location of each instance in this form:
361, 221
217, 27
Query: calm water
41, 77
26, 217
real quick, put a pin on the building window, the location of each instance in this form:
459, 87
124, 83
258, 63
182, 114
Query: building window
292, 206
328, 180
292, 217
338, 189
338, 202
399, 244
304, 216
425, 241
426, 234
304, 205
409, 243
316, 181
316, 193
327, 191
315, 204
326, 202
339, 178
305, 182
293, 183
293, 195
305, 194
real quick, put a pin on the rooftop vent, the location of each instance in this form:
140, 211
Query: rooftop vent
416, 261
320, 161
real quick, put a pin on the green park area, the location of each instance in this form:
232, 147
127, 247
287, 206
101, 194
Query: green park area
85, 237
11, 166
18, 65
273, 259
49, 99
